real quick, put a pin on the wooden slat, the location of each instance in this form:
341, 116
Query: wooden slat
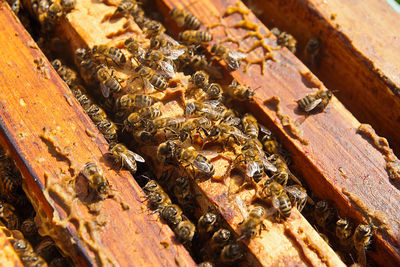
358, 57
332, 137
8, 256
36, 102
288, 250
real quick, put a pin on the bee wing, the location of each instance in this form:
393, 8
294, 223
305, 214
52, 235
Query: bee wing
251, 168
233, 121
170, 39
128, 161
203, 166
147, 85
264, 129
208, 153
296, 192
236, 132
242, 207
104, 90
173, 54
167, 68
275, 202
313, 105
237, 55
268, 165
137, 157
212, 103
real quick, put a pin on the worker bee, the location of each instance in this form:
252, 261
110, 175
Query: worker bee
362, 238
210, 109
205, 264
240, 92
279, 198
207, 224
316, 101
311, 51
167, 124
125, 157
166, 151
158, 200
108, 129
183, 194
152, 28
343, 231
25, 252
87, 66
137, 120
98, 184
185, 18
134, 48
282, 173
28, 227
106, 54
270, 144
125, 7
253, 224
155, 58
96, 113
200, 79
8, 216
185, 231
223, 132
15, 5
131, 101
108, 82
172, 215
163, 41
142, 136
67, 5
68, 75
285, 39
191, 125
189, 37
231, 253
188, 157
214, 91
231, 58
297, 195
54, 11
250, 125
219, 239
156, 81
323, 214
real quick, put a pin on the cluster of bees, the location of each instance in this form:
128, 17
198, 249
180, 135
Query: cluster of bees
17, 223
136, 105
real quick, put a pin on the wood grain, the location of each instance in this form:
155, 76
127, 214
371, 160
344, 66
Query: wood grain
333, 141
37, 99
358, 56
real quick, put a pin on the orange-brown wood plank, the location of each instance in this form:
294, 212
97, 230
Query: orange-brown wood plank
289, 249
333, 145
35, 102
8, 256
359, 53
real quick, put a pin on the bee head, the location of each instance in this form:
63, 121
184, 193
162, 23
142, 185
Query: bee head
214, 131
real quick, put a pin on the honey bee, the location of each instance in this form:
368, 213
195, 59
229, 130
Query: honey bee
28, 227
253, 224
282, 173
205, 264
105, 53
172, 215
214, 91
108, 82
250, 125
155, 58
131, 101
162, 41
223, 132
240, 92
137, 120
155, 80
54, 11
219, 239
125, 157
134, 48
125, 7
189, 37
362, 238
207, 224
87, 66
200, 79
96, 113
98, 184
185, 18
8, 216
167, 124
343, 231
209, 109
316, 101
108, 129
152, 186
285, 39
68, 75
15, 5
158, 200
297, 195
231, 58
183, 194
270, 144
188, 157
279, 198
166, 151
152, 28
323, 214
185, 231
194, 124
231, 253
311, 52
142, 136
67, 5
26, 253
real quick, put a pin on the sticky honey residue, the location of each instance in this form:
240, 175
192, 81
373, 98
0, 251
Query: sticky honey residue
377, 217
62, 153
42, 68
62, 192
286, 120
343, 173
68, 99
165, 244
311, 78
32, 44
381, 144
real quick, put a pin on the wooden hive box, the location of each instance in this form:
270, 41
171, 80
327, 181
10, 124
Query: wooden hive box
50, 137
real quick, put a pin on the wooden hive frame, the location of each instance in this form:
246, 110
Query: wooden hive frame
311, 162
